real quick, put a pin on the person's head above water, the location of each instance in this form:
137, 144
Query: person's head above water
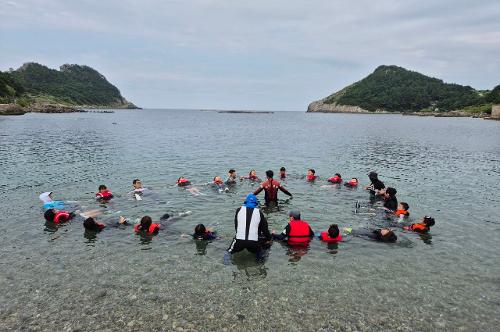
232, 173
373, 176
282, 169
46, 197
390, 192
253, 173
294, 214
102, 188
146, 222
387, 235
91, 225
50, 214
251, 201
333, 231
218, 180
403, 206
269, 174
182, 181
428, 221
137, 184
200, 230
311, 171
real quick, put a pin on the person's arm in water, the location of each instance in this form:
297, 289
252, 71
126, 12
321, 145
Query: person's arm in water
283, 235
264, 228
256, 192
284, 191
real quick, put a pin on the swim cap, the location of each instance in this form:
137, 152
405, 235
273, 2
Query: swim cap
295, 214
250, 201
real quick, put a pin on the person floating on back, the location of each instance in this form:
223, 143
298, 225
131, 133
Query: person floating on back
270, 187
333, 234
337, 179
390, 200
91, 225
424, 226
311, 175
297, 232
402, 211
282, 173
103, 194
139, 190
48, 202
250, 225
219, 185
375, 184
202, 233
352, 183
380, 235
183, 182
146, 226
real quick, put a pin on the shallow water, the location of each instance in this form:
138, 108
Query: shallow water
58, 279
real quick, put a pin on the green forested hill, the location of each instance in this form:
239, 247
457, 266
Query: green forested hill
71, 85
395, 89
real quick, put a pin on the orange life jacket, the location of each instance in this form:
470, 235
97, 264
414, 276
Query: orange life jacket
420, 227
153, 228
326, 238
299, 232
402, 212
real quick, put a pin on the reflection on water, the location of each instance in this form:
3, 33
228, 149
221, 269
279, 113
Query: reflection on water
447, 168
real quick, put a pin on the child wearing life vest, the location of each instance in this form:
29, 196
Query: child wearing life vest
147, 226
58, 216
402, 211
219, 185
424, 226
337, 178
311, 175
333, 234
252, 176
352, 183
202, 233
103, 194
282, 173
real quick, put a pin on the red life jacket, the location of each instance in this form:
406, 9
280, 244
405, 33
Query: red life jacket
402, 212
153, 228
335, 179
252, 177
61, 216
217, 182
183, 182
299, 232
352, 183
311, 178
326, 238
104, 195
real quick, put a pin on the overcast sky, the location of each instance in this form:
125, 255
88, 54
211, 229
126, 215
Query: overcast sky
266, 55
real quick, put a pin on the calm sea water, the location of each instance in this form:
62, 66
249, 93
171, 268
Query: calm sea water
58, 279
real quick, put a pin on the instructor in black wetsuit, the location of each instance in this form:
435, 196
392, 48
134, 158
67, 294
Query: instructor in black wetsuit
270, 187
250, 225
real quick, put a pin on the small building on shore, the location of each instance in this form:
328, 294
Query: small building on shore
495, 111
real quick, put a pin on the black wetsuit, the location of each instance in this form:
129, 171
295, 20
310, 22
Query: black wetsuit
366, 233
376, 185
391, 203
250, 225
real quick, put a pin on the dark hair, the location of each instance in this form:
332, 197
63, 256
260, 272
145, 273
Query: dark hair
282, 169
333, 231
146, 222
135, 181
312, 170
429, 221
269, 174
373, 176
231, 171
215, 178
49, 215
337, 174
405, 205
391, 191
102, 187
355, 179
389, 237
200, 230
90, 225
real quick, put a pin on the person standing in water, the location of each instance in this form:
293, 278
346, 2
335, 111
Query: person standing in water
250, 225
270, 187
376, 185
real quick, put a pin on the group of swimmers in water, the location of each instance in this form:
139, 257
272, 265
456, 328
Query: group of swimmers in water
251, 227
